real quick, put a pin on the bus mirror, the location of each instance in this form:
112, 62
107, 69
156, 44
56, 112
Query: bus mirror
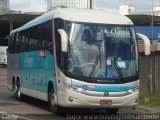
147, 43
64, 40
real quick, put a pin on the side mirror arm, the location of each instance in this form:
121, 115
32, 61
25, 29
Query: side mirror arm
64, 40
147, 43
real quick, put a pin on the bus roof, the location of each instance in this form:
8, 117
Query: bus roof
92, 16
80, 15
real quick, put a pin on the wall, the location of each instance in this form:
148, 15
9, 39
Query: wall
150, 73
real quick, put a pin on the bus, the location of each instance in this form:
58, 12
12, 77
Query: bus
76, 58
3, 55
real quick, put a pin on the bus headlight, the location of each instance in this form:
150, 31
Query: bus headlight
131, 91
80, 90
75, 88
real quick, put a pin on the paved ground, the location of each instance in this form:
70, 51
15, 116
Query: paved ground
32, 109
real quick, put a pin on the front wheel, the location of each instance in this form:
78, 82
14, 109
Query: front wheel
53, 107
111, 111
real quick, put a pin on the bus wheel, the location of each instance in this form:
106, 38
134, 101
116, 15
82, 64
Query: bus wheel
19, 96
54, 108
111, 111
15, 90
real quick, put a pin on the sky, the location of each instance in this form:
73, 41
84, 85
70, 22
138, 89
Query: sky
28, 5
112, 5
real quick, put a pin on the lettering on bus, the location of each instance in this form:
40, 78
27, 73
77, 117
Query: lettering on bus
117, 32
29, 60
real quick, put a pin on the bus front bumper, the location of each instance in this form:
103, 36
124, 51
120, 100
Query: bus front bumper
75, 99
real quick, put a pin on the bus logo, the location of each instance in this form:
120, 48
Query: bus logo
106, 94
42, 53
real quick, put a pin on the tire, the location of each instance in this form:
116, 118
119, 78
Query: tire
18, 93
15, 91
111, 111
53, 107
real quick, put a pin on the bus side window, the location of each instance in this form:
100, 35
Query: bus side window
9, 42
42, 44
17, 43
22, 43
13, 43
47, 35
27, 48
38, 38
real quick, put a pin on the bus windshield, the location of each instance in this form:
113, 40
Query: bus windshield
102, 51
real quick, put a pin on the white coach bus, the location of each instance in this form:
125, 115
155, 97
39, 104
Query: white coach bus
3, 55
76, 58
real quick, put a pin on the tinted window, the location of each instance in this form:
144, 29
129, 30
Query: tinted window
9, 42
35, 38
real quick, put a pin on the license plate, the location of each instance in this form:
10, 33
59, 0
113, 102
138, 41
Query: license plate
105, 102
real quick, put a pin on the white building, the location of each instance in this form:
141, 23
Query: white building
156, 8
4, 6
126, 9
49, 4
83, 4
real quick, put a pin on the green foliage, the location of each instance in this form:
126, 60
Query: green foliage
150, 100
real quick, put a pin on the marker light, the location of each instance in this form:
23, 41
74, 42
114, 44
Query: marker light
90, 86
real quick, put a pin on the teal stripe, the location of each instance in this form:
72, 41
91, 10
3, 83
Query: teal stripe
29, 25
108, 88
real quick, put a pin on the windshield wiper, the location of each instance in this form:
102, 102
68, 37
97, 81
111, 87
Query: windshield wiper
94, 66
98, 58
118, 69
